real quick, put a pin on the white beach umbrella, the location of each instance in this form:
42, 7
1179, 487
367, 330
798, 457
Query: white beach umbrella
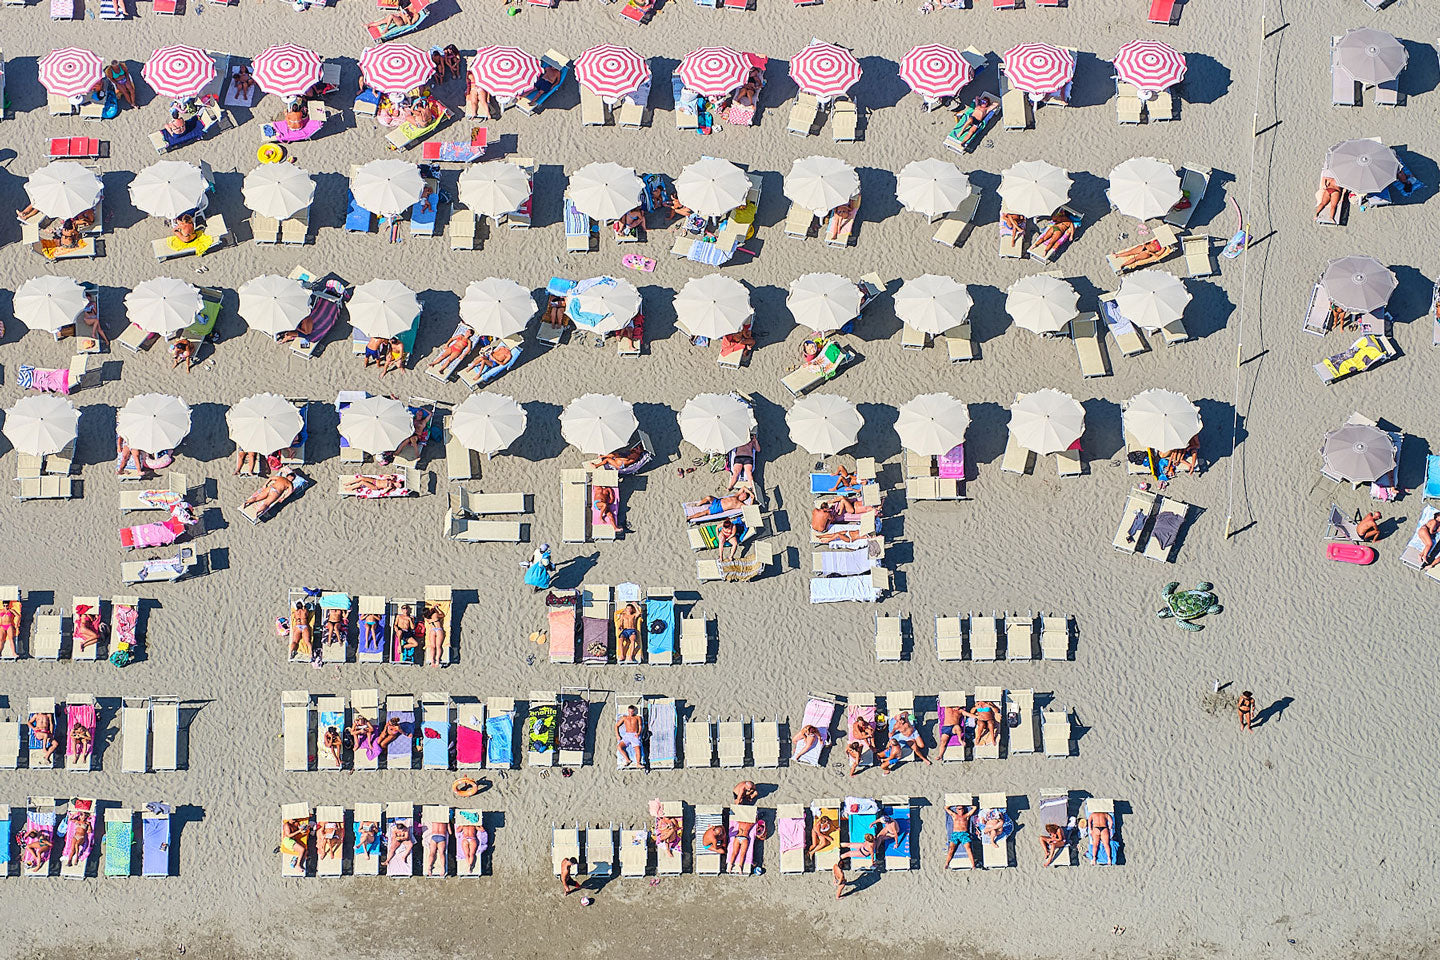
932, 424
386, 187
605, 190
1358, 452
163, 305
264, 423
278, 190
598, 423
823, 301
1358, 284
1046, 421
713, 306
1162, 419
1143, 187
1041, 303
63, 189
376, 424
712, 187
931, 187
716, 422
1034, 188
383, 308
494, 189
496, 307
932, 304
488, 422
41, 425
1362, 165
1371, 56
50, 302
1152, 298
153, 422
823, 423
820, 184
168, 188
274, 304
603, 304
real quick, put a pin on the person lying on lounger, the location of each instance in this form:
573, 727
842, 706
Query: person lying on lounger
69, 235
330, 629
804, 741
9, 625
435, 636
331, 835
618, 461
822, 834
1142, 254
947, 725
437, 838
712, 506
457, 347
627, 737
405, 631
477, 101
843, 216
903, 734
862, 737
823, 517
82, 742
714, 840
295, 838
369, 832
1328, 198
864, 849
1427, 533
628, 639
727, 536
960, 832
37, 845
42, 728
370, 630
300, 631
402, 845
1014, 222
275, 491
389, 733
979, 112
742, 463
741, 340
1061, 230
472, 840
992, 825
1100, 827
497, 356
987, 723
334, 743
88, 626
604, 502
77, 836
373, 486
403, 17
740, 841
1052, 842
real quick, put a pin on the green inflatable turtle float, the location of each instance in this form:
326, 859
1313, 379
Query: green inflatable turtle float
1188, 606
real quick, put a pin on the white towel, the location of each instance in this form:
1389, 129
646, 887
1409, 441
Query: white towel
837, 589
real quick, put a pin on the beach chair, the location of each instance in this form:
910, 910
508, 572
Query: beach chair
1127, 335
803, 115
1365, 353
435, 731
1016, 112
442, 597
10, 734
135, 735
1165, 530
118, 842
379, 32
370, 646
1048, 255
1094, 805
542, 729
1162, 12
660, 613
731, 743
799, 222
46, 641
366, 857
984, 637
599, 859
562, 621
791, 824
955, 226
1054, 810
1161, 232
165, 733
1055, 638
41, 816
634, 853
401, 753
155, 840
844, 121
573, 725
1129, 108
433, 814
955, 740
898, 853
699, 743
827, 856
694, 640
500, 733
1012, 245
1134, 519
1193, 182
593, 111
565, 845
465, 819
743, 813
293, 864
35, 756
1020, 716
581, 233
469, 735
861, 706
530, 102
330, 711
707, 862
1414, 555
860, 814
998, 854
176, 490
819, 713
663, 723
1341, 209
1089, 347
1019, 638
627, 759
599, 530
596, 617
1017, 459
366, 703
889, 638
949, 639
995, 695
1196, 250
401, 814
327, 819
1055, 732
79, 715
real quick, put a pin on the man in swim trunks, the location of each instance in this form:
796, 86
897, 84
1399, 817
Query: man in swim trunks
627, 737
1368, 527
902, 734
823, 517
960, 833
628, 620
437, 838
405, 633
42, 728
712, 506
949, 724
568, 884
742, 463
745, 792
604, 500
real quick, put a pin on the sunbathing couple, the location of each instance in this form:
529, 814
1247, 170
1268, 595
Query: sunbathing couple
902, 734
376, 485
840, 510
385, 354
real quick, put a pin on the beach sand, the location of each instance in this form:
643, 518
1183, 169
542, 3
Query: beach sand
1308, 838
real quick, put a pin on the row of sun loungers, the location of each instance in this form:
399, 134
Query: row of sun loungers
980, 638
584, 626
371, 619
382, 839
149, 735
49, 639
84, 837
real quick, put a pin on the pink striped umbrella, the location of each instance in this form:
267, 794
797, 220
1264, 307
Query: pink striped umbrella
396, 67
286, 70
504, 71
70, 71
934, 71
1039, 67
713, 71
1149, 64
824, 70
610, 71
178, 70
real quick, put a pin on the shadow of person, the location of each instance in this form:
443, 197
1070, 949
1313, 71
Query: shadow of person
1273, 712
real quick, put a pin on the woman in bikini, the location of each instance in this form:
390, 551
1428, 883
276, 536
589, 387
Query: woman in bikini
740, 842
667, 832
389, 734
402, 845
987, 724
334, 623
276, 489
331, 835
300, 634
435, 636
804, 741
9, 626
87, 626
1052, 842
77, 836
119, 78
822, 834
468, 836
82, 741
361, 731
335, 744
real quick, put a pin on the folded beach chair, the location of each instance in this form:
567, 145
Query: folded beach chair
1089, 346
1020, 717
898, 853
574, 724
435, 730
329, 819
500, 733
294, 858
47, 640
367, 856
599, 859
790, 822
135, 735
44, 706
118, 842
366, 703
1054, 808
860, 814
861, 706
435, 814
996, 854
299, 729
1139, 506
707, 862
1093, 805
1017, 459
155, 840
542, 729
731, 743
597, 614
984, 637
1165, 530
819, 713
79, 715
401, 813
1019, 638
949, 639
634, 853
663, 728
699, 743
401, 753
889, 638
1055, 638
954, 738
670, 861
995, 695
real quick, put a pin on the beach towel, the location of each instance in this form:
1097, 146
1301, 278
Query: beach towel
844, 562
402, 866
372, 640
1167, 527
155, 848
469, 739
576, 223
125, 621
840, 589
818, 714
29, 377
792, 834
119, 837
662, 733
740, 115
43, 822
234, 99
158, 534
201, 243
574, 717
81, 716
193, 131
499, 734
540, 728
562, 634
82, 853
401, 491
281, 133
435, 745
826, 483
597, 640
661, 613
952, 463
400, 749
1115, 320
901, 846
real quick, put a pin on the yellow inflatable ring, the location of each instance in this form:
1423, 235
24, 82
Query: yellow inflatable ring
465, 787
270, 153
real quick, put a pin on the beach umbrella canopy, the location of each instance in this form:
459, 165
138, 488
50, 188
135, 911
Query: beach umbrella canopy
931, 187
1034, 188
163, 305
1371, 56
168, 188
716, 422
264, 423
1358, 452
396, 67
504, 71
932, 424
598, 423
1152, 298
712, 187
178, 70
496, 307
934, 71
42, 425
1362, 165
603, 304
49, 302
824, 70
70, 71
1039, 68
386, 187
932, 304
611, 71
278, 190
605, 190
383, 308
488, 422
153, 422
1162, 419
63, 189
376, 424
823, 301
286, 69
274, 304
823, 423
1047, 421
1041, 303
1358, 284
1143, 187
713, 306
1149, 64
494, 189
713, 71
821, 184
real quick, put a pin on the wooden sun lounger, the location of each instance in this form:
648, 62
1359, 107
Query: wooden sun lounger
889, 638
331, 707
799, 222
1017, 459
731, 743
565, 845
435, 813
634, 853
1019, 638
119, 842
1140, 503
291, 865
298, 729
1055, 732
706, 863
828, 807
1196, 249
694, 640
699, 743
984, 637
765, 743
1089, 346
995, 855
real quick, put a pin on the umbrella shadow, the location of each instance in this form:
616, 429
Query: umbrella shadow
771, 429
988, 319
1103, 437
542, 439
1424, 170
662, 425
551, 182
878, 438
120, 212
773, 321
22, 85
1209, 309
774, 205
95, 434
879, 323
435, 304
1217, 420
1206, 79
1422, 70
1094, 81
332, 199
209, 436
1410, 303
657, 304
881, 83
878, 201
988, 432
1087, 194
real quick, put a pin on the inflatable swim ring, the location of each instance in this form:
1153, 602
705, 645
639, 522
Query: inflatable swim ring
270, 153
465, 787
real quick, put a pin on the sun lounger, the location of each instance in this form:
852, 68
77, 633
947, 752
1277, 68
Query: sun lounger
366, 703
791, 824
573, 726
1016, 112
401, 753
531, 101
367, 857
663, 724
844, 121
1129, 108
799, 222
118, 842
627, 759
634, 853
35, 757
599, 860
694, 640
46, 641
1134, 519
1021, 704
741, 814
11, 732
707, 862
431, 814
1413, 556
155, 840
1019, 638
1165, 530
1012, 244
841, 239
294, 857
1365, 353
1193, 182
819, 713
596, 616
435, 730
135, 735
500, 733
860, 814
542, 725
984, 637
562, 620
660, 643
1196, 249
1055, 732
803, 115
1089, 346
330, 710
1017, 459
964, 855
731, 745
888, 638
370, 646
175, 491
1054, 810
996, 855
949, 639
670, 861
1126, 334
41, 815
401, 814
593, 110
165, 733
328, 819
1162, 12
699, 743
465, 819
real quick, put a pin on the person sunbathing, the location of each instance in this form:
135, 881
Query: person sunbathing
742, 340
69, 235
38, 846
361, 731
1052, 842
627, 737
373, 486
628, 637
864, 849
618, 461
979, 112
295, 116
712, 506
740, 842
742, 463
555, 311
370, 630
476, 99
497, 356
389, 734
843, 478
184, 228
457, 347
1100, 828
77, 836
405, 632
804, 741
300, 630
1061, 230
1426, 533
9, 626
1014, 222
960, 833
402, 845
369, 832
728, 536
992, 825
331, 835
402, 17
82, 742
394, 356
949, 724
469, 837
1142, 254
84, 220
124, 453
241, 82
631, 223
987, 723
745, 792
423, 112
435, 636
843, 216
182, 351
903, 734
822, 834
862, 734
295, 838
334, 623
275, 491
714, 840
119, 78
747, 96
26, 212
437, 838
1368, 527
667, 832
88, 626
837, 511
1328, 199
335, 744
605, 502
177, 125
42, 728
420, 421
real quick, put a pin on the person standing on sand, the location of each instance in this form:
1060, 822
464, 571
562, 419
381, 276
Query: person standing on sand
568, 884
1245, 707
840, 881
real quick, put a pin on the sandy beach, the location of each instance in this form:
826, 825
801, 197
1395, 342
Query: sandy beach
1233, 843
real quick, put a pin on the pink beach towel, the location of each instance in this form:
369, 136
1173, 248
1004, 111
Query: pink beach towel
42, 378
792, 833
125, 620
952, 463
469, 745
